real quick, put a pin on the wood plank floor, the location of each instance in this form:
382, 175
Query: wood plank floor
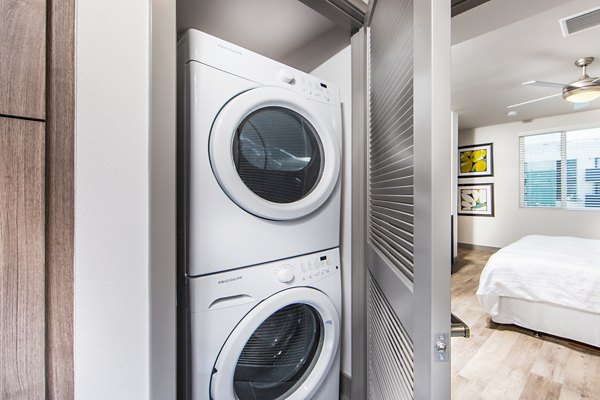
505, 362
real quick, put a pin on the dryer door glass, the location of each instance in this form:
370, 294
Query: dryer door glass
278, 154
280, 354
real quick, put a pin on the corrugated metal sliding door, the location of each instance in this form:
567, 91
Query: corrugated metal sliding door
407, 247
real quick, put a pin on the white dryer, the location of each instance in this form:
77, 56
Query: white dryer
261, 151
268, 332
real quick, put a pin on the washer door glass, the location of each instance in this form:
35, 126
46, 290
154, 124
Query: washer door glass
279, 354
281, 349
277, 154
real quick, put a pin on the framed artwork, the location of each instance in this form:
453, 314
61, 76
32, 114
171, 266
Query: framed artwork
476, 199
476, 160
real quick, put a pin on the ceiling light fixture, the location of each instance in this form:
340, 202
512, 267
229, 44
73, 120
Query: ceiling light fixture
584, 90
582, 94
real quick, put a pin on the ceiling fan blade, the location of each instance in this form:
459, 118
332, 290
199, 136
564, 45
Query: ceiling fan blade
579, 106
534, 100
543, 84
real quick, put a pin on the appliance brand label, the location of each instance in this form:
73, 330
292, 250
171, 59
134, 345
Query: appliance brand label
229, 280
229, 49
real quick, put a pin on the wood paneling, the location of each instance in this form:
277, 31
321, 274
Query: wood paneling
22, 303
23, 58
36, 258
507, 362
60, 150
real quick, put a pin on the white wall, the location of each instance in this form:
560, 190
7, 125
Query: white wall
312, 55
338, 70
111, 200
511, 222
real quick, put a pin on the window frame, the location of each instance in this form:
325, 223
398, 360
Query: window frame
561, 203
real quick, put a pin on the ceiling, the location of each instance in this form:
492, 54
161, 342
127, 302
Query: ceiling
503, 43
273, 28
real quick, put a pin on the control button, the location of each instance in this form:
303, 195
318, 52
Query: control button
285, 275
285, 76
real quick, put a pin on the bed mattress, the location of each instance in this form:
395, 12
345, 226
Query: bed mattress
556, 272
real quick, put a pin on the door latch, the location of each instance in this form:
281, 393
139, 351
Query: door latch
441, 347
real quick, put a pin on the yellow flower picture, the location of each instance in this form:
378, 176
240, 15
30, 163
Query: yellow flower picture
475, 160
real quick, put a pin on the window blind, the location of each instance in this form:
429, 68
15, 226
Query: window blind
561, 169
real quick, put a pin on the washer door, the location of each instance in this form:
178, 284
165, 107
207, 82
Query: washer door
272, 155
282, 349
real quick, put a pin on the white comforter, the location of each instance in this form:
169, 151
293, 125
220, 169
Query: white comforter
561, 271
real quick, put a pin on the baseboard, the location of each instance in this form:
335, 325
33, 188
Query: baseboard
470, 246
345, 386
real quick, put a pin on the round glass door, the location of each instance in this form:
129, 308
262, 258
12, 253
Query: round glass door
282, 349
278, 154
279, 354
273, 154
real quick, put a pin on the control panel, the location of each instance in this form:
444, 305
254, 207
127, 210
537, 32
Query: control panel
244, 286
307, 269
317, 268
307, 85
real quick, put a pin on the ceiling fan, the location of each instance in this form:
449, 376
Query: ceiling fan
581, 92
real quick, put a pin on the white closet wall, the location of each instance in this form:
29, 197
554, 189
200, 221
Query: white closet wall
338, 70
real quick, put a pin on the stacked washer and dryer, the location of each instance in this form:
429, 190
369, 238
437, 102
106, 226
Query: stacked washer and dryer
260, 148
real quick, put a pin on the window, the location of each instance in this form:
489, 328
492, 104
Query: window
561, 169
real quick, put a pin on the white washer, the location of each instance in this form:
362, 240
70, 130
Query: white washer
261, 151
268, 332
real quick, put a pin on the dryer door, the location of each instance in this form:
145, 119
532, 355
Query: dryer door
282, 349
273, 155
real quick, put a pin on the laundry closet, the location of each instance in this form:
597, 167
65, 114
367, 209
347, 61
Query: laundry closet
263, 211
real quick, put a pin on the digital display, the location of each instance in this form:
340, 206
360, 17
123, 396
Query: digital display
323, 85
323, 258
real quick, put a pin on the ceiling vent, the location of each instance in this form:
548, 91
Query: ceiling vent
580, 22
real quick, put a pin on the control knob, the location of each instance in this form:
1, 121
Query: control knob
285, 275
285, 76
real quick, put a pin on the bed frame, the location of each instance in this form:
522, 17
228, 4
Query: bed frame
581, 326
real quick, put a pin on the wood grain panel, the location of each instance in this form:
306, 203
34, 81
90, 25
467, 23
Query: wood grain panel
60, 150
539, 388
23, 58
22, 303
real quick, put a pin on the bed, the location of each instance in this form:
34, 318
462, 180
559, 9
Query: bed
546, 284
